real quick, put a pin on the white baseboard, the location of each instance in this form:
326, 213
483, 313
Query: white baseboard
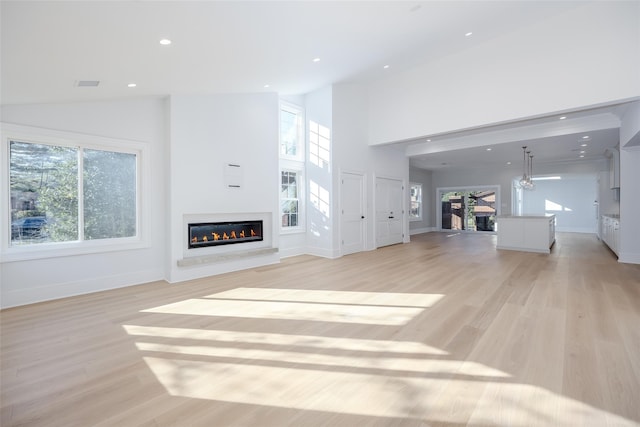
421, 230
629, 258
586, 230
18, 297
291, 252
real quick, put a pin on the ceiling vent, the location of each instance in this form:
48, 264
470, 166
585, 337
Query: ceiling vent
87, 83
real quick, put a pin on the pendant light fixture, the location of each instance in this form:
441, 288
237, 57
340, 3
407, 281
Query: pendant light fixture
526, 182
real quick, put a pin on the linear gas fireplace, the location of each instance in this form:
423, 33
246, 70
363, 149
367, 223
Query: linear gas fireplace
206, 234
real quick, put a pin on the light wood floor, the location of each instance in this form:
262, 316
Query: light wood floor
444, 331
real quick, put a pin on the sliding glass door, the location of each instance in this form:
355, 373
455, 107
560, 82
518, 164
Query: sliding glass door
466, 209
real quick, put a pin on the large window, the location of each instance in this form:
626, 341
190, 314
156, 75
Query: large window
63, 194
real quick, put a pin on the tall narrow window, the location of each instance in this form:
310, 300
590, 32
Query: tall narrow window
415, 198
291, 135
289, 199
292, 181
67, 194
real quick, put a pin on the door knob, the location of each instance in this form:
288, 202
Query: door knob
362, 217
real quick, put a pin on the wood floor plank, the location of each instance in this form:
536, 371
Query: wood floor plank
443, 331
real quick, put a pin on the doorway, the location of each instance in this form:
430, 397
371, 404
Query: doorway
353, 209
469, 209
389, 211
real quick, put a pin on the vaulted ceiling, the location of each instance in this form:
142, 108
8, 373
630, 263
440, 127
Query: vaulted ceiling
289, 47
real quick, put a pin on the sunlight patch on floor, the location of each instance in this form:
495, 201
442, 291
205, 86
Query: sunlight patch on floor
369, 362
331, 297
417, 397
287, 340
303, 305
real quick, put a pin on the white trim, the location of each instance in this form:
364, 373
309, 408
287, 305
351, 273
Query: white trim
415, 231
44, 136
54, 291
629, 258
301, 148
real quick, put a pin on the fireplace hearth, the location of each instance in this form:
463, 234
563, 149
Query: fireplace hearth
206, 234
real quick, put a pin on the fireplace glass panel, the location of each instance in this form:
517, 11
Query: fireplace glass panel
224, 233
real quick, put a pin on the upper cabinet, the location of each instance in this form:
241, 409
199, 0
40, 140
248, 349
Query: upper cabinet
614, 167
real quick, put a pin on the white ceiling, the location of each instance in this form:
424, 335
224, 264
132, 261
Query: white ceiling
241, 46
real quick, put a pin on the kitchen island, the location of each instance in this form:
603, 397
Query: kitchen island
529, 233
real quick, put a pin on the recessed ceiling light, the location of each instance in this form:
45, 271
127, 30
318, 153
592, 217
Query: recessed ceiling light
266, 86
508, 163
581, 156
488, 149
316, 59
385, 67
165, 42
468, 34
585, 137
582, 152
428, 140
563, 117
132, 85
583, 145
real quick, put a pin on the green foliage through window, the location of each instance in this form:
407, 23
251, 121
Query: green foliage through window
46, 189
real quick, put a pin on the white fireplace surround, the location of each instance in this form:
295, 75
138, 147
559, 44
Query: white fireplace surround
209, 254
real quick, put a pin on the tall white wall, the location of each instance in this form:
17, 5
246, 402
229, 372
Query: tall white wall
24, 282
320, 221
586, 56
206, 132
352, 152
629, 250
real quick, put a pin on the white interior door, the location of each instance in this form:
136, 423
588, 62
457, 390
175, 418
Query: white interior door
389, 211
353, 209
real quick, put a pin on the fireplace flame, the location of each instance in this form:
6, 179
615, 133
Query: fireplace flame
225, 236
253, 233
204, 239
216, 236
233, 235
194, 240
242, 234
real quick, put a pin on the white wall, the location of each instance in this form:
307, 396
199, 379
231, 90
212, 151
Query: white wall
319, 218
584, 57
206, 132
353, 154
24, 282
629, 250
571, 199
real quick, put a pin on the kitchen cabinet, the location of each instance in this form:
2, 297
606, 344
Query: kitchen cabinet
610, 228
529, 233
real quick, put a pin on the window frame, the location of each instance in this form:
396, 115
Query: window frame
299, 112
420, 202
27, 134
299, 170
